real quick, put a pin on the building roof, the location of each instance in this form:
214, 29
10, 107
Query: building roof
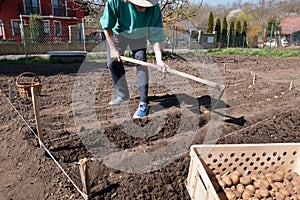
185, 25
290, 25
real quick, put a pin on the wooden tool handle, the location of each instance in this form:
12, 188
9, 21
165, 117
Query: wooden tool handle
173, 71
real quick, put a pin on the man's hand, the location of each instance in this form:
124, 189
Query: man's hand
115, 55
163, 66
158, 55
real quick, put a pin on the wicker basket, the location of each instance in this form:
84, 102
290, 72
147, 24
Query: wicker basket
24, 88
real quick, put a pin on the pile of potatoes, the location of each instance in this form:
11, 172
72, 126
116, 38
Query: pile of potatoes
272, 185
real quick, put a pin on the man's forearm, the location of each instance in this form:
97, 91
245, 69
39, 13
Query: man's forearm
158, 51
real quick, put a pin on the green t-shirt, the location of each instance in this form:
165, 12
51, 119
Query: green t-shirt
123, 18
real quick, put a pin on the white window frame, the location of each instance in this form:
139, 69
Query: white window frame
13, 27
46, 24
60, 27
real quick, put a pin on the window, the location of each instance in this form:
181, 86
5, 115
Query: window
59, 8
16, 27
32, 7
57, 28
46, 27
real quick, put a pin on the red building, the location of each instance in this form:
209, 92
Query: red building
57, 15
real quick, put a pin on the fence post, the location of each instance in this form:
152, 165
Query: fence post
23, 36
83, 35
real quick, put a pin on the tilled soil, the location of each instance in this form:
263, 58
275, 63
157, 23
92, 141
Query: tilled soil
77, 123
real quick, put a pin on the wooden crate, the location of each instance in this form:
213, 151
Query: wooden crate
210, 160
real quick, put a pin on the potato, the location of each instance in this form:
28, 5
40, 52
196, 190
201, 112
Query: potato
235, 178
279, 185
264, 192
222, 184
230, 194
247, 194
237, 194
295, 182
269, 177
254, 177
277, 177
274, 187
254, 198
262, 177
281, 173
257, 194
279, 196
272, 193
261, 183
240, 187
251, 188
296, 189
284, 192
289, 176
287, 183
227, 181
245, 180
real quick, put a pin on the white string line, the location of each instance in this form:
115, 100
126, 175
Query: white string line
48, 152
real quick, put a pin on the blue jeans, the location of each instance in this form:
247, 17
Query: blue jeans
117, 71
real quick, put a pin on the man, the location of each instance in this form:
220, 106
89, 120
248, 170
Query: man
132, 23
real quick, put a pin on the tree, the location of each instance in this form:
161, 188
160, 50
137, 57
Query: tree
231, 33
218, 29
224, 32
244, 33
238, 33
273, 25
210, 24
36, 25
253, 34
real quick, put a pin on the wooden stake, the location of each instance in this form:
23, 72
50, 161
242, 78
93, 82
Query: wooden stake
84, 176
36, 113
291, 86
254, 78
224, 67
10, 95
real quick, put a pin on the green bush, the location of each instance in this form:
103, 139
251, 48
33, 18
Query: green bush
37, 32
